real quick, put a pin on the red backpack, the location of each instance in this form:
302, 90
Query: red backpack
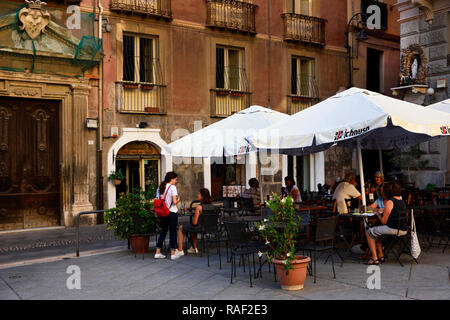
160, 205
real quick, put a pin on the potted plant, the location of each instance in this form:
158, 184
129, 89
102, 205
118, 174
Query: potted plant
121, 219
147, 87
116, 177
280, 232
151, 109
130, 85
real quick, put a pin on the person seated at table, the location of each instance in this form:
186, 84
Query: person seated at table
253, 192
376, 188
392, 220
377, 206
292, 190
206, 200
346, 191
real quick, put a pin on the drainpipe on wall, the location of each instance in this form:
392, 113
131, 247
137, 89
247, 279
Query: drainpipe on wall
100, 120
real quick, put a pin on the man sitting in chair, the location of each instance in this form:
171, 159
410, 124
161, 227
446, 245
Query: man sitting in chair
346, 191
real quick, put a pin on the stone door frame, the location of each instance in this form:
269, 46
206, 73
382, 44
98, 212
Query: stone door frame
73, 96
151, 136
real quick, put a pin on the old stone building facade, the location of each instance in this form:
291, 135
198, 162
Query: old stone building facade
117, 93
425, 41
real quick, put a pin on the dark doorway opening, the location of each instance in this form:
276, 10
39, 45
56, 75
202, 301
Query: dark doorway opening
373, 74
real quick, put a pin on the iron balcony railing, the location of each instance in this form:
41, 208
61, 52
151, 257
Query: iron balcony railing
154, 8
231, 15
303, 28
141, 97
304, 94
232, 78
231, 93
225, 102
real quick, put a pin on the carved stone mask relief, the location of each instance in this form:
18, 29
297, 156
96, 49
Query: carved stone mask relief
34, 19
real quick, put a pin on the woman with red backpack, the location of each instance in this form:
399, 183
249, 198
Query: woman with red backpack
167, 211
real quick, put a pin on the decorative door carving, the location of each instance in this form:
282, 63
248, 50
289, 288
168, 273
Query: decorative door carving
29, 157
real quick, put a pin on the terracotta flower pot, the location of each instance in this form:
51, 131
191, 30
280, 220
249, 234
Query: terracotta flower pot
130, 85
117, 181
296, 278
139, 244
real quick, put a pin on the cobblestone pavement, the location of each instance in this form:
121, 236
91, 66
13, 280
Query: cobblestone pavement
120, 275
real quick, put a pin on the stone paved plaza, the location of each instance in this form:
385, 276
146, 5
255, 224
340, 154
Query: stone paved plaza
119, 275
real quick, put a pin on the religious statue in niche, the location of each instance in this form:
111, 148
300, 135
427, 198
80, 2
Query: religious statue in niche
413, 66
33, 19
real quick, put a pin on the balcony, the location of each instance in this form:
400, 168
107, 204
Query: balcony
304, 29
226, 102
232, 15
305, 93
152, 8
143, 97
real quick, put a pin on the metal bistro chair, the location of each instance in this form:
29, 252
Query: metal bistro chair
247, 207
399, 244
325, 232
137, 222
211, 233
240, 246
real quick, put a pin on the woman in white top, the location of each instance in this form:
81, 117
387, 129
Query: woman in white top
169, 223
292, 189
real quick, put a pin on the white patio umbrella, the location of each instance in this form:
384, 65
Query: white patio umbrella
441, 106
354, 117
225, 137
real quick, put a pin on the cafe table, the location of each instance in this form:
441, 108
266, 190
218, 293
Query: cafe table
359, 223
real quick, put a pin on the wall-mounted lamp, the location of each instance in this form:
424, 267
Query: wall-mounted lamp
106, 25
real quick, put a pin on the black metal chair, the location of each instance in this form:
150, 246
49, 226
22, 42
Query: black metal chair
325, 232
138, 229
240, 246
246, 206
399, 244
211, 234
347, 237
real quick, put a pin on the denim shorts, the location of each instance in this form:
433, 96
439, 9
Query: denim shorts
384, 230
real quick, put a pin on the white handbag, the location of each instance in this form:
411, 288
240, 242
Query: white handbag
415, 246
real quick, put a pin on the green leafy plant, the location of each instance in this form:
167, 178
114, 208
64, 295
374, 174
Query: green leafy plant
116, 175
408, 159
280, 231
120, 218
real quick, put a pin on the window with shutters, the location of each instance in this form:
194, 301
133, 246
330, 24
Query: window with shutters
304, 90
142, 88
231, 93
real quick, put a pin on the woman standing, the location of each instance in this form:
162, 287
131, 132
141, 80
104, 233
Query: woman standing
169, 223
292, 189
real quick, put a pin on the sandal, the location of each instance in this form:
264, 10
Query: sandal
381, 259
372, 262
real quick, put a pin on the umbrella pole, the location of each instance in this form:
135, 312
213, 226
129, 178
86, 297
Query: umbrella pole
361, 171
261, 193
380, 156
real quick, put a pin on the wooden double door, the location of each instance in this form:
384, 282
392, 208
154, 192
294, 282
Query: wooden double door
29, 163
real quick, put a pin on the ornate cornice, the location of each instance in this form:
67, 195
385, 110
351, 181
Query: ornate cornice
427, 8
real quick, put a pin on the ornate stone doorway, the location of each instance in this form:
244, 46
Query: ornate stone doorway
140, 163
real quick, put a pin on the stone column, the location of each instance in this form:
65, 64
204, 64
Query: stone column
81, 202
